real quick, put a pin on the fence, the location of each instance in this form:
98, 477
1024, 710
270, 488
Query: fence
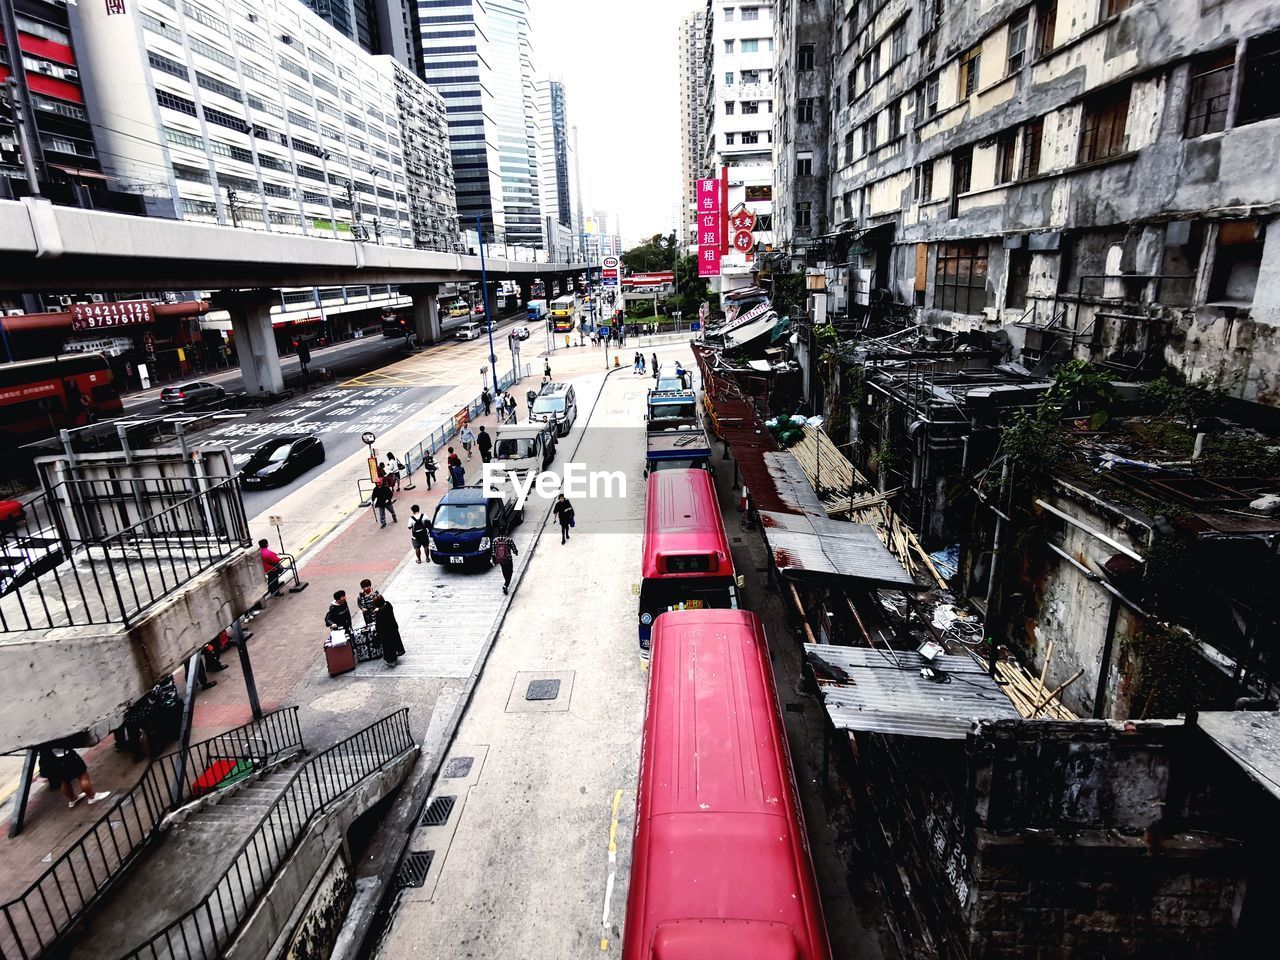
77, 879
105, 550
204, 930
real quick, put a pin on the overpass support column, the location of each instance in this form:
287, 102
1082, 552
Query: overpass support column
526, 291
426, 311
255, 343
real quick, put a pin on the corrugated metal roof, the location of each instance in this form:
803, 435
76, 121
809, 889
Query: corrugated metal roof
885, 693
792, 486
1251, 739
815, 547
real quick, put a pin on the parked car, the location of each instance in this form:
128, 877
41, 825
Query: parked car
465, 523
281, 459
470, 331
524, 448
193, 394
521, 333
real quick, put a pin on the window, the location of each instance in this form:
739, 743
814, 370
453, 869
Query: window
873, 133
804, 164
174, 102
1112, 7
960, 277
1260, 79
847, 204
750, 136
728, 14
750, 76
210, 20
728, 79
165, 65
184, 139
728, 108
929, 98
1046, 27
1017, 52
729, 139
922, 182
750, 106
804, 215
898, 42
750, 13
728, 46
969, 65
871, 67
804, 110
851, 85
1102, 126
804, 56
1210, 93
1237, 261
1006, 149
962, 171
750, 46
894, 115
848, 147
1032, 138
214, 85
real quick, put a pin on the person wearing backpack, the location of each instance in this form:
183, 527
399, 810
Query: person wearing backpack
564, 514
503, 553
419, 532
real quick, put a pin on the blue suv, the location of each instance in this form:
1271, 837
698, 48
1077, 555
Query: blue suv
465, 523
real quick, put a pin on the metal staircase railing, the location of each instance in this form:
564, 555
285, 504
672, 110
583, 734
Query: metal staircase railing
205, 930
76, 880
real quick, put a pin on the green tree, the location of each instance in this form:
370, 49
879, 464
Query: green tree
656, 253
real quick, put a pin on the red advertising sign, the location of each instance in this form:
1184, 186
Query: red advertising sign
708, 261
710, 226
742, 220
742, 241
121, 313
709, 196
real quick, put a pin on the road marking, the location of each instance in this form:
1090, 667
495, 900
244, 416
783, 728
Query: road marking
613, 872
376, 378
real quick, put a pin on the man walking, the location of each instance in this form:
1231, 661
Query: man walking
383, 504
546, 368
457, 476
656, 366
564, 514
503, 552
467, 438
420, 530
367, 598
484, 441
486, 398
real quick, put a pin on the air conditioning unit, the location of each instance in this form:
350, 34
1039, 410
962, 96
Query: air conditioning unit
70, 74
96, 298
285, 38
64, 301
44, 67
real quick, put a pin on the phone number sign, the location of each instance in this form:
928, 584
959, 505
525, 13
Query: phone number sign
121, 313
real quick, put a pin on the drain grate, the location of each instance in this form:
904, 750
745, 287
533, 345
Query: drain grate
413, 871
458, 767
438, 810
542, 690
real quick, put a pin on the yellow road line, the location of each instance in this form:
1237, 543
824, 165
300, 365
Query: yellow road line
613, 872
8, 789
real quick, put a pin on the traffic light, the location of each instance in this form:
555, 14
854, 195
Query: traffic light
304, 352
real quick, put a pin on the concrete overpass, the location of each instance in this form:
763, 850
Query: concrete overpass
46, 248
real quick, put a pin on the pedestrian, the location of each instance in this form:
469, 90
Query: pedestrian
503, 550
484, 440
382, 471
486, 398
635, 362
531, 396
394, 469
546, 367
656, 365
68, 768
365, 601
642, 364
457, 476
387, 630
420, 529
453, 460
564, 514
271, 565
382, 503
467, 438
338, 616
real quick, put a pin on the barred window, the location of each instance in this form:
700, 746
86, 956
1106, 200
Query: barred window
214, 85
165, 65
184, 139
296, 69
301, 120
175, 102
960, 277
206, 17
194, 174
251, 42
257, 73
1210, 93
215, 54
303, 146
276, 190
1102, 126
224, 119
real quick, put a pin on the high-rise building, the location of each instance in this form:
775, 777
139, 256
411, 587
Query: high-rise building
378, 26
479, 55
690, 43
264, 117
738, 58
556, 160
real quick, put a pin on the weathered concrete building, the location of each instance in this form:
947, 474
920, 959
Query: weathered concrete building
1092, 178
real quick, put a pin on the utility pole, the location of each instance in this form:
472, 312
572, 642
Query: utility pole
233, 205
14, 98
488, 314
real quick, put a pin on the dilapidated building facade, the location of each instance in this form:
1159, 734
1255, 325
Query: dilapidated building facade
1087, 178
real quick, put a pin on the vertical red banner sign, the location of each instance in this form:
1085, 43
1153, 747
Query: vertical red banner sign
710, 232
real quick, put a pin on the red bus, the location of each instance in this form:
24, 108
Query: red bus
720, 863
40, 397
687, 564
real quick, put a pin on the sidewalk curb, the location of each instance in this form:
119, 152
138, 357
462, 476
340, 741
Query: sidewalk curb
377, 871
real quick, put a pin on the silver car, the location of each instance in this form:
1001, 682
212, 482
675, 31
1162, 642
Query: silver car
192, 394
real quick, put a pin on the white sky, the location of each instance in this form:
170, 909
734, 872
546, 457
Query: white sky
617, 60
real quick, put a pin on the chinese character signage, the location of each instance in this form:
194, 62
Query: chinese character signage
710, 225
742, 241
743, 219
115, 8
122, 313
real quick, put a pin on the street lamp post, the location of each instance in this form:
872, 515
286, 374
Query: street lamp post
488, 316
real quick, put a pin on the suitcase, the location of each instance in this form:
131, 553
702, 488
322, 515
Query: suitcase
339, 654
221, 772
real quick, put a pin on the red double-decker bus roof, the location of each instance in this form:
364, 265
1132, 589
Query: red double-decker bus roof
720, 865
683, 526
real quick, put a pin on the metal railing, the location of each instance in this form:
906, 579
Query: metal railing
104, 551
205, 929
77, 879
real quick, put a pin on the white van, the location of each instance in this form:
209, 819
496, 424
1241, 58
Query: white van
557, 407
470, 331
523, 449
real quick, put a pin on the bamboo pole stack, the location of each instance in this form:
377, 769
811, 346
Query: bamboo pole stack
1029, 695
834, 477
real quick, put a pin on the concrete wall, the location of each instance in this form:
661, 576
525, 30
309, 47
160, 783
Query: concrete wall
58, 682
315, 935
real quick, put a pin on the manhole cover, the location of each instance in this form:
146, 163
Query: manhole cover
542, 690
413, 871
458, 767
737, 539
438, 811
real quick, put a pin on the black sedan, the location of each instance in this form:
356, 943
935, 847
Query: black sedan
193, 394
281, 459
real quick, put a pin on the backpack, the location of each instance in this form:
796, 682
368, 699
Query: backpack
502, 550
